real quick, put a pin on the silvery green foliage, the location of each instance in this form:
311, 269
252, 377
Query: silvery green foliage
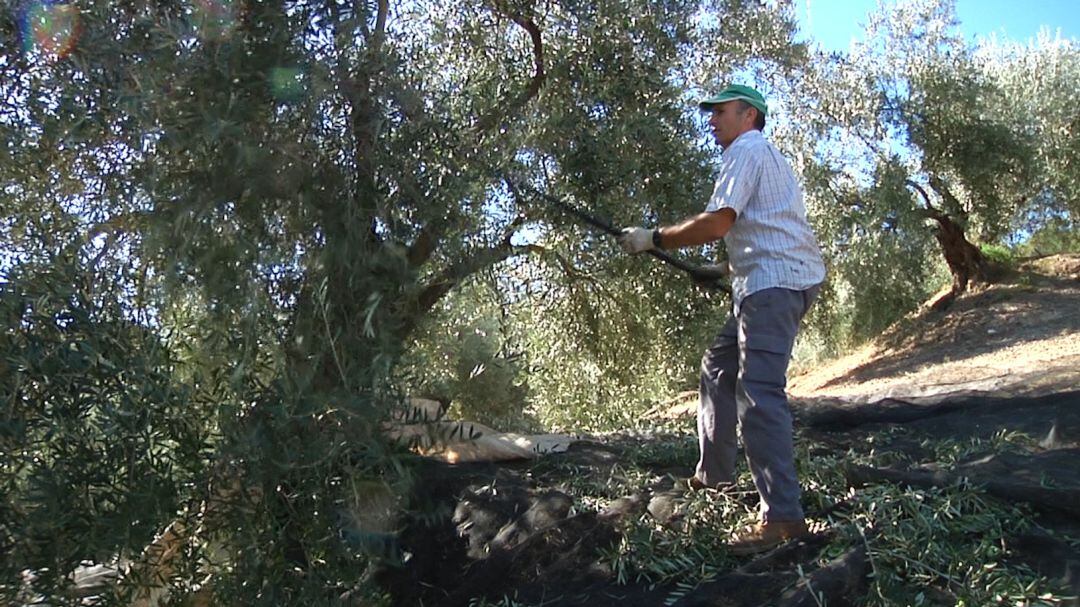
914, 101
921, 91
1041, 81
283, 191
615, 131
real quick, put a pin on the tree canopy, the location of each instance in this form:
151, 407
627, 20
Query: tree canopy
235, 234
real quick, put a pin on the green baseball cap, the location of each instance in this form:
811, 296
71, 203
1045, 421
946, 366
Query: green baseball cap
736, 92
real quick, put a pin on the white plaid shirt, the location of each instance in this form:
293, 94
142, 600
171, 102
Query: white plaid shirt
770, 243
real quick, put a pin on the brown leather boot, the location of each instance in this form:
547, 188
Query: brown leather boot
766, 536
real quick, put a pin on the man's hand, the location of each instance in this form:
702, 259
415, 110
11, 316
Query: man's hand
636, 240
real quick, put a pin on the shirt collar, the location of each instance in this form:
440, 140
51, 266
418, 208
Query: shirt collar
747, 136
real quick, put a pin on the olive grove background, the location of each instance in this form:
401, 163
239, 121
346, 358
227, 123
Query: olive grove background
236, 234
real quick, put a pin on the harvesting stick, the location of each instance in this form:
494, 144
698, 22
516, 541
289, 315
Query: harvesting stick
707, 277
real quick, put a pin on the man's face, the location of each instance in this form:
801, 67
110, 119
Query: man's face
729, 120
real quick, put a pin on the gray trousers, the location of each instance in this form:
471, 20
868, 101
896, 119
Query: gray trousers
743, 381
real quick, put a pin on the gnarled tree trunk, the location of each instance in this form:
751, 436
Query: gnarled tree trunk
966, 262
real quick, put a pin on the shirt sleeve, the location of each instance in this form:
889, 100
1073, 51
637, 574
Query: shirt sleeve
739, 176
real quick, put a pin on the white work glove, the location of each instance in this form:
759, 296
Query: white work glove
636, 240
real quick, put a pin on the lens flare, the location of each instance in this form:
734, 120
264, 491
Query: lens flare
50, 29
215, 19
287, 83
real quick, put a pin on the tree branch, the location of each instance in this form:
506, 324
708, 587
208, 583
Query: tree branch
365, 120
951, 202
872, 145
931, 210
380, 22
421, 249
982, 473
497, 114
564, 263
484, 258
452, 276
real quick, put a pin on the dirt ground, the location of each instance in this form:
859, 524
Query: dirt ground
1001, 359
1017, 338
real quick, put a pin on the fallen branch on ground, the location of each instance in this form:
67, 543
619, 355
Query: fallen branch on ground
1061, 500
842, 580
837, 414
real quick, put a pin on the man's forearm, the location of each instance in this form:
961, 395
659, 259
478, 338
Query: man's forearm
699, 229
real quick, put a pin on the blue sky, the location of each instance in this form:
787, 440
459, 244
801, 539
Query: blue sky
833, 23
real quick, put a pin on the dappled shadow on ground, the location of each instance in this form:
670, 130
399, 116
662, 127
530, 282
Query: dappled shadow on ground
488, 531
507, 536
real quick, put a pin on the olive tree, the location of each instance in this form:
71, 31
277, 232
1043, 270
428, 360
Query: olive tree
258, 206
1041, 80
916, 94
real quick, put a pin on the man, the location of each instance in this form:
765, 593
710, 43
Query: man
776, 271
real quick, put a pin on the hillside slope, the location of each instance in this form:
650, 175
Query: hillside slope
1020, 337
